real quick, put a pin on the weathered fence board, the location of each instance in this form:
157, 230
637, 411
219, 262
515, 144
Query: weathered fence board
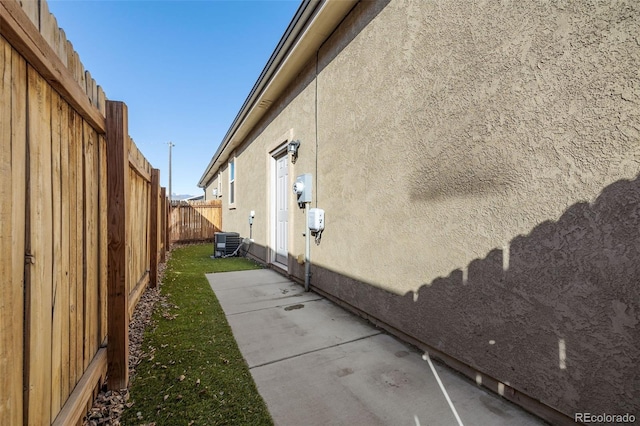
118, 276
78, 286
24, 36
57, 308
56, 215
18, 237
12, 243
75, 407
40, 245
91, 242
195, 220
167, 208
66, 237
138, 265
103, 201
153, 241
164, 228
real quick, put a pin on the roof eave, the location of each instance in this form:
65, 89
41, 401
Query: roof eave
312, 24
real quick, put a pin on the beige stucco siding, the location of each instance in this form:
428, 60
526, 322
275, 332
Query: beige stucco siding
253, 167
208, 190
219, 177
446, 129
478, 165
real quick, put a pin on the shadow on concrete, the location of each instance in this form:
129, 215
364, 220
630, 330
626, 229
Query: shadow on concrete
556, 317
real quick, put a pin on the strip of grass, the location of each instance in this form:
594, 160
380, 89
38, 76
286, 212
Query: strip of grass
194, 373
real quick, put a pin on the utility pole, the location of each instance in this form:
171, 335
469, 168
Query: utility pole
171, 145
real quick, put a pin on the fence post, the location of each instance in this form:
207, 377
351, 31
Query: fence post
168, 230
163, 229
117, 132
153, 249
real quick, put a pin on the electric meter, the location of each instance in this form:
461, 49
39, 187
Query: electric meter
302, 189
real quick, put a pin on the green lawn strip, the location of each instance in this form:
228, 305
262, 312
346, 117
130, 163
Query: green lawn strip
194, 372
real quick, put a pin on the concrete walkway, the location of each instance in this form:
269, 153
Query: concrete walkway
316, 364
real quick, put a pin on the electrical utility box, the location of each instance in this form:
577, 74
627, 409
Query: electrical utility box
315, 220
302, 188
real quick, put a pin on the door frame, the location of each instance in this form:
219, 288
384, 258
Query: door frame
274, 155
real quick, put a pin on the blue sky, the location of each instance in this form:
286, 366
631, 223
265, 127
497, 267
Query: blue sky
184, 69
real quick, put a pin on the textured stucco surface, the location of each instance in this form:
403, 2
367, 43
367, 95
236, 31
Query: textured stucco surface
290, 118
478, 164
469, 123
573, 280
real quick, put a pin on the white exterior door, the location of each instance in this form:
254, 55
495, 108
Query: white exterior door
282, 213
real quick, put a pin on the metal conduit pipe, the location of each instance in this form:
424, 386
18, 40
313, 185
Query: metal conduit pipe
307, 250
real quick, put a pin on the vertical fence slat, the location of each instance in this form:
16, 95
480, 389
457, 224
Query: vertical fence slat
167, 215
56, 216
91, 248
32, 10
73, 223
48, 24
73, 237
153, 228
134, 258
39, 288
12, 190
18, 183
103, 202
7, 301
131, 214
117, 189
163, 225
144, 227
66, 258
80, 243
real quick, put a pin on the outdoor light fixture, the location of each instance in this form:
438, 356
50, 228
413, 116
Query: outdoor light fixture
215, 192
292, 149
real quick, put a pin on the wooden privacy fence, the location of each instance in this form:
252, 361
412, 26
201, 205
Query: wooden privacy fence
194, 220
81, 225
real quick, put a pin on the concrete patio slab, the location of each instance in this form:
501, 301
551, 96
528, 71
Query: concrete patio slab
282, 332
260, 296
368, 381
316, 364
250, 278
375, 381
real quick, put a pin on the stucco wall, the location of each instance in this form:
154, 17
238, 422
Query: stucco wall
290, 118
469, 123
208, 191
478, 164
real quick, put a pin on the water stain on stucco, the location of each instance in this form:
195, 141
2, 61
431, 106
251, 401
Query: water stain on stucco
462, 174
